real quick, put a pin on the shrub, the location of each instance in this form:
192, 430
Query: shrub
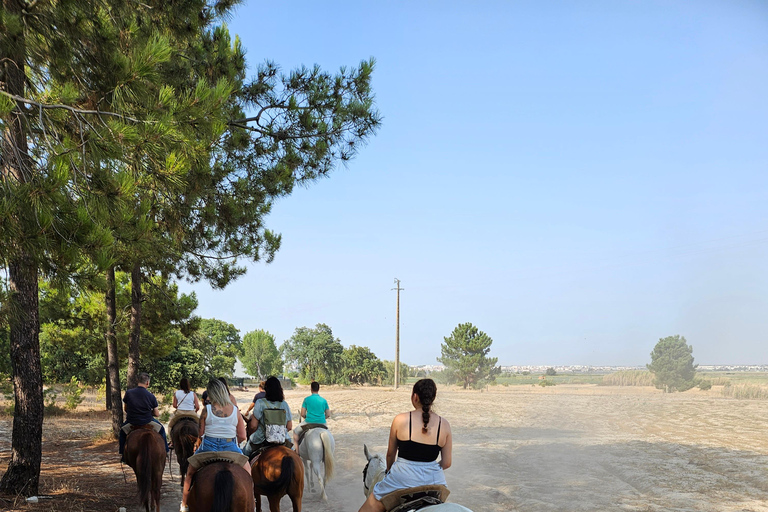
165, 416
73, 392
544, 383
705, 385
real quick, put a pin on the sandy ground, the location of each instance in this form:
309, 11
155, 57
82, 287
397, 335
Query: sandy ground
563, 448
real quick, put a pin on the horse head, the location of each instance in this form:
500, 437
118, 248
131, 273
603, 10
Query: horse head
374, 470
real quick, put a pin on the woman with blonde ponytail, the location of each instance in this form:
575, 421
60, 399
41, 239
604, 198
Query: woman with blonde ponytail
412, 451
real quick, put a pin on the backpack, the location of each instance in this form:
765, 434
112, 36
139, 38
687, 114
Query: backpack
274, 421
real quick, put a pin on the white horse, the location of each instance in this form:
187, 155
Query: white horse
316, 450
374, 472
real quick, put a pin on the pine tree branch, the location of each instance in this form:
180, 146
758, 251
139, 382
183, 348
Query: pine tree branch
72, 109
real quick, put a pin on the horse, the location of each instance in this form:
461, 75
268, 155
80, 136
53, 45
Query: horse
315, 449
374, 472
276, 472
145, 453
250, 424
184, 436
221, 487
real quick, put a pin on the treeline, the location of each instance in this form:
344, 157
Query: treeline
134, 141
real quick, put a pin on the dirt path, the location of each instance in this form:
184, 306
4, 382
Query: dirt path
564, 448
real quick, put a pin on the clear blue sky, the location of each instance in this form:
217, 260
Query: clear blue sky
577, 179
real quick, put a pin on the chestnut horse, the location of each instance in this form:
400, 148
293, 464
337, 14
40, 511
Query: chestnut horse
221, 487
145, 453
276, 472
184, 435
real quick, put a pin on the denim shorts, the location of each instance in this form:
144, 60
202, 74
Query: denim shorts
217, 444
406, 473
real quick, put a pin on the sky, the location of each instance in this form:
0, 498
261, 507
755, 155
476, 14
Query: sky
576, 179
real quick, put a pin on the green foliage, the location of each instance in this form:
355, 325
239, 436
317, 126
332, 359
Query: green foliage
361, 366
705, 385
672, 364
546, 382
183, 361
389, 379
73, 394
550, 372
260, 355
220, 345
465, 356
316, 354
49, 400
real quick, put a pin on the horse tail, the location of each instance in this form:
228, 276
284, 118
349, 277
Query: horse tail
327, 455
224, 487
144, 471
286, 475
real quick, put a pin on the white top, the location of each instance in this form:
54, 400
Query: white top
184, 400
221, 427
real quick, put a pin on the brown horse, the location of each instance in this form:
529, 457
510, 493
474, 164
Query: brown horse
184, 435
278, 471
221, 487
145, 453
250, 424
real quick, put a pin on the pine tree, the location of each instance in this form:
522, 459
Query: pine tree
465, 356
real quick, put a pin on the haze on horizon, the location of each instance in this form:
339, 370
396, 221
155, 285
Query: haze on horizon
577, 181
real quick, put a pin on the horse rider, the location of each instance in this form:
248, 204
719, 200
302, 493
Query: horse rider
221, 429
141, 408
273, 420
258, 396
314, 409
412, 452
186, 403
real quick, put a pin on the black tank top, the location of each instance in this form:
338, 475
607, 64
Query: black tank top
418, 452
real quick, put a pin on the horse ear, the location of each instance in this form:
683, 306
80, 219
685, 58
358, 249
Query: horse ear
367, 453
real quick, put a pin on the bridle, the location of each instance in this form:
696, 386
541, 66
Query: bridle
365, 473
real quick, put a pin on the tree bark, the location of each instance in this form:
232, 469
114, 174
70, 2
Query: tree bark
113, 380
23, 474
134, 351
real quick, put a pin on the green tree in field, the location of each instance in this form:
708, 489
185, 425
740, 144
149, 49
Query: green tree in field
389, 378
220, 344
260, 355
672, 364
316, 354
361, 366
465, 356
551, 372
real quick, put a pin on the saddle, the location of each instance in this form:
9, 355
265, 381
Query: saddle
200, 460
148, 426
414, 498
306, 427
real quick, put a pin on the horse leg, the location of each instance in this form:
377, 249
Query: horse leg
295, 491
257, 498
274, 503
316, 469
308, 472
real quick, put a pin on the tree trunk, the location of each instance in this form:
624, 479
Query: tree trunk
23, 474
107, 387
113, 380
134, 350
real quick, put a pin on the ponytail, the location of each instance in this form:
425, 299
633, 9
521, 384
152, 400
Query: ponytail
426, 390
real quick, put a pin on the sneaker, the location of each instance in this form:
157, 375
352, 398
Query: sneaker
183, 508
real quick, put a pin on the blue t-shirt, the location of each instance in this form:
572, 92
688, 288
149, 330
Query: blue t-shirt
316, 407
140, 404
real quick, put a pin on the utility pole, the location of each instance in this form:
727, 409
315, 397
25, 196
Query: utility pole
397, 339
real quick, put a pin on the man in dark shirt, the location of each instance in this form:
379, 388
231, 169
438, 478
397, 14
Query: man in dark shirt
140, 408
258, 396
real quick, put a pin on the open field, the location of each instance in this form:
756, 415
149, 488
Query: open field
526, 448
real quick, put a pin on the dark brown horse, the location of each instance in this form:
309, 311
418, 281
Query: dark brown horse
221, 487
145, 453
250, 424
184, 436
278, 471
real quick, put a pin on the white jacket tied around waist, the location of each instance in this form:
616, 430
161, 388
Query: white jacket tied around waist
221, 427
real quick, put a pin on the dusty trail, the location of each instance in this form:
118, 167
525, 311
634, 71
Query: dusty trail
563, 448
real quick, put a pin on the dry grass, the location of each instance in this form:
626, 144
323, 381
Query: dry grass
746, 391
628, 378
